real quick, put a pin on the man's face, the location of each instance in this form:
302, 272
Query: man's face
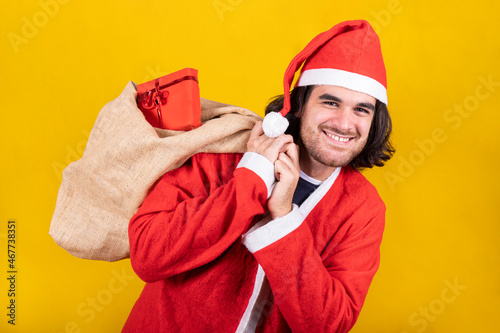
335, 124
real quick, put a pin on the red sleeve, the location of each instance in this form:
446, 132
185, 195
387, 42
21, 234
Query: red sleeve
193, 215
321, 292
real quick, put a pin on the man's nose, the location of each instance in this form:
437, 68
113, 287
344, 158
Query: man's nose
343, 119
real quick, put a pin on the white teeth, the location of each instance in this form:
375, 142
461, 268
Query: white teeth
336, 138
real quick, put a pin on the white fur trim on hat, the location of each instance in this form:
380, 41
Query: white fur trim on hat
338, 77
274, 124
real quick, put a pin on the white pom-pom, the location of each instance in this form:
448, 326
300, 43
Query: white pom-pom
274, 124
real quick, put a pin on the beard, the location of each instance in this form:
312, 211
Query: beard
321, 150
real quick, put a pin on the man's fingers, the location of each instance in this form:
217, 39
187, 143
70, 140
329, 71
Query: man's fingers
286, 162
277, 171
286, 138
281, 141
292, 151
265, 146
257, 139
272, 147
257, 129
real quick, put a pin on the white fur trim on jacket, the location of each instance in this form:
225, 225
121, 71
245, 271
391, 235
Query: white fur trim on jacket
261, 166
265, 233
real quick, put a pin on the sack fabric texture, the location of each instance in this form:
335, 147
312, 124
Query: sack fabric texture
123, 159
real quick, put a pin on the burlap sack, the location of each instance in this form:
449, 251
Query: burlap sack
123, 158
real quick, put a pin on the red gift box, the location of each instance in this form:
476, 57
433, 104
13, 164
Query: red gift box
172, 101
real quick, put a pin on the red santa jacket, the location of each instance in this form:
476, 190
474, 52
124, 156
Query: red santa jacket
212, 262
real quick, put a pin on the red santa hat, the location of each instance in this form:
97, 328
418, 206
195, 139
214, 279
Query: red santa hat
348, 55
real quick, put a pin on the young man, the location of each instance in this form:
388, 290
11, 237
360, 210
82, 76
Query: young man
285, 237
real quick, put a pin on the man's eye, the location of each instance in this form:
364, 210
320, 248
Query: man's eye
331, 103
363, 110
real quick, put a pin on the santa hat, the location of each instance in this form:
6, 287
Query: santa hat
348, 55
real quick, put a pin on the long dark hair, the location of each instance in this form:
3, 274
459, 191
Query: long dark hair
378, 148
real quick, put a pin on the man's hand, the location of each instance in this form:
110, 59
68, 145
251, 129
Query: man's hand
287, 172
266, 146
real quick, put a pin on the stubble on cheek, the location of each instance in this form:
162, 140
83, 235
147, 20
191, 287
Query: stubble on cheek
316, 145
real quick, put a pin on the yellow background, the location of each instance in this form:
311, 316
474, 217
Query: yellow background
441, 188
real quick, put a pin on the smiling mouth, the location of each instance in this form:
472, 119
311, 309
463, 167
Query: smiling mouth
338, 138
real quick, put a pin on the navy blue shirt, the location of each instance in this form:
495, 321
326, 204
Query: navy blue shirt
303, 190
